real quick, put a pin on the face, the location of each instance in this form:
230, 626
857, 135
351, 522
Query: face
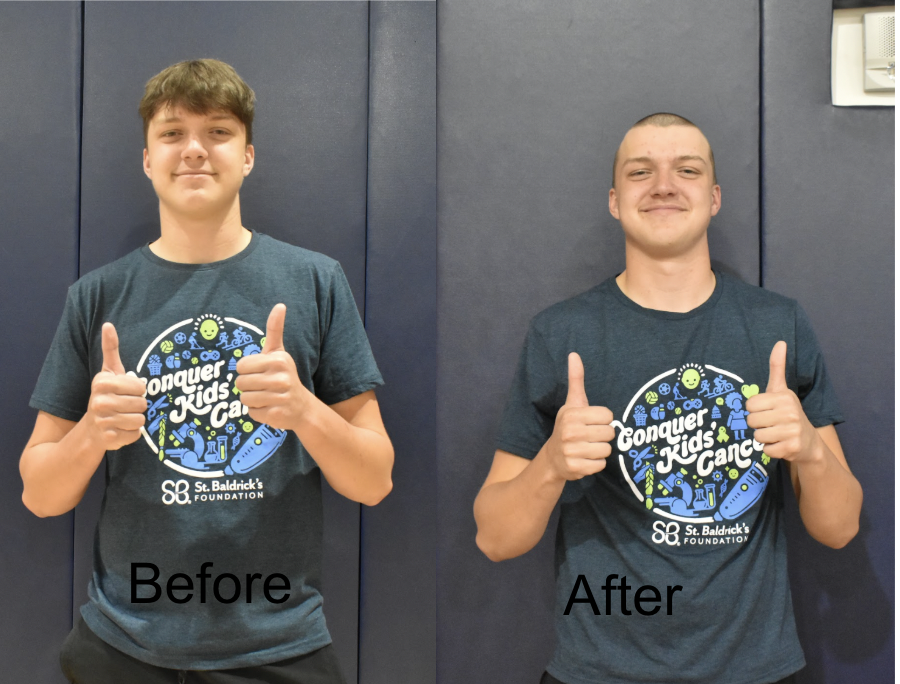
690, 378
197, 162
664, 195
208, 329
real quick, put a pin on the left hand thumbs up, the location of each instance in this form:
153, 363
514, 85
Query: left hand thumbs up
269, 384
777, 415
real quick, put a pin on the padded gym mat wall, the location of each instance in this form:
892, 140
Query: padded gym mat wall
40, 72
533, 101
828, 236
397, 608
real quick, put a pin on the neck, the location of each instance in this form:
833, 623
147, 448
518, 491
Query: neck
678, 285
188, 239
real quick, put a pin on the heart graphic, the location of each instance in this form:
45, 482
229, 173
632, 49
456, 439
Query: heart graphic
749, 390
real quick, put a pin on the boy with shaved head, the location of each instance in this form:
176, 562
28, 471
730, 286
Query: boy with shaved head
219, 371
654, 410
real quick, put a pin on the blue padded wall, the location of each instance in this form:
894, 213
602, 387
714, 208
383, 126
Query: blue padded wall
828, 236
40, 73
533, 101
308, 64
397, 608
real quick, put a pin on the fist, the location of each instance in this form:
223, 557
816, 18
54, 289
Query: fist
579, 445
116, 408
268, 381
777, 416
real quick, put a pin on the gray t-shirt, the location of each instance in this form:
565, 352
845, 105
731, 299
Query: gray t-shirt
206, 483
687, 498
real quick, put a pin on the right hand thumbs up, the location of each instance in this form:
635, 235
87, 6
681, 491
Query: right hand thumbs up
109, 340
117, 405
579, 445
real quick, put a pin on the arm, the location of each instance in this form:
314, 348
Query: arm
829, 495
57, 465
347, 440
61, 455
351, 446
516, 501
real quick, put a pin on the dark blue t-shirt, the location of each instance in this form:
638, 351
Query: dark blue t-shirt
206, 483
687, 498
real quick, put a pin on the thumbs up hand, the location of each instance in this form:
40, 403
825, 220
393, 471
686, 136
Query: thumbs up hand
777, 416
117, 405
268, 381
579, 445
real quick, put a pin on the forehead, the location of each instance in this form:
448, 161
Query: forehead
662, 142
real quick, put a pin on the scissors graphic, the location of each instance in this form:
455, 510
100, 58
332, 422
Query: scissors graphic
154, 409
638, 458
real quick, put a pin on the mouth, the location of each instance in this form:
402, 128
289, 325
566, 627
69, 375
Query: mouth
193, 174
663, 209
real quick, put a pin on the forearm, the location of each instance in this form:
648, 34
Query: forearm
56, 474
512, 515
356, 461
830, 497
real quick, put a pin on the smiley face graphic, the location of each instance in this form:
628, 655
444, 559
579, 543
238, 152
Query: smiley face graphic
209, 329
690, 378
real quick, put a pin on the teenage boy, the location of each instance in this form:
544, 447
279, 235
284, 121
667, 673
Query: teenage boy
218, 370
655, 409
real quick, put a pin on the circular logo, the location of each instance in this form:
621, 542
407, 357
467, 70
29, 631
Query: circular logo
692, 458
196, 423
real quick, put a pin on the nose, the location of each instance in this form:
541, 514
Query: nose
194, 149
664, 184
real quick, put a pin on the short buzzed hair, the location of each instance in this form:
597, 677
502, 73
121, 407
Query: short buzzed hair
664, 119
200, 86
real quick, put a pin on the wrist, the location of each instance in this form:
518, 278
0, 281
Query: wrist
305, 415
549, 476
814, 459
90, 436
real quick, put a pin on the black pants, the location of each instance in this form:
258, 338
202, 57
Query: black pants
550, 679
87, 659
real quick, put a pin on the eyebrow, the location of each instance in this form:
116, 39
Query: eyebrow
214, 117
647, 160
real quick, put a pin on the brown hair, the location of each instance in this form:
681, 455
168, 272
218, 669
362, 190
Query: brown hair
664, 119
200, 86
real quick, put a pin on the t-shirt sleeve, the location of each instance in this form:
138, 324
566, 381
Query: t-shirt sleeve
346, 365
64, 386
814, 387
534, 400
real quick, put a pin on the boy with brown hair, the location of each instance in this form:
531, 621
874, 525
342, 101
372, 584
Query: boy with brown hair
219, 369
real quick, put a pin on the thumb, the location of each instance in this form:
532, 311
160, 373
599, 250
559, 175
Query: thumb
777, 362
109, 340
275, 329
576, 395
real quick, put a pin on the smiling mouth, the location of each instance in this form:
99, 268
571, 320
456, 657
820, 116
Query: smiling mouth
663, 208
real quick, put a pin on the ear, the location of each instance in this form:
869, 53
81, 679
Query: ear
147, 164
249, 156
613, 203
716, 200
